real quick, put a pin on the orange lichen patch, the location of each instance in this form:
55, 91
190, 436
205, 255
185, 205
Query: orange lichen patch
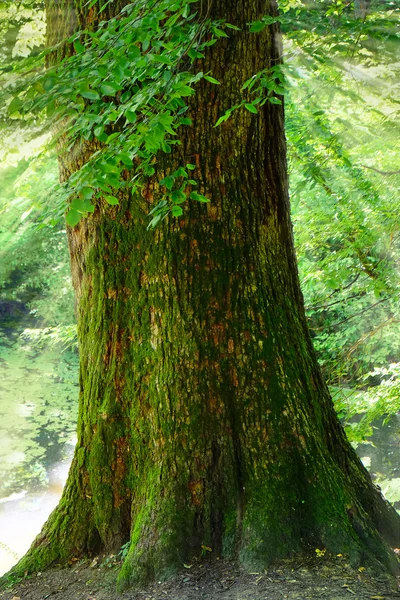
40, 539
85, 479
148, 193
154, 340
159, 442
214, 303
217, 333
231, 346
234, 377
119, 384
143, 279
197, 492
216, 406
119, 349
302, 441
90, 17
119, 467
194, 246
212, 211
108, 353
111, 294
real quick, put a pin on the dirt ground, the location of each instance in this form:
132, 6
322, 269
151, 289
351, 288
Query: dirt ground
318, 578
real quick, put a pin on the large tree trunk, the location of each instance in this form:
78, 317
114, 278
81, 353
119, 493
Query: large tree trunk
203, 417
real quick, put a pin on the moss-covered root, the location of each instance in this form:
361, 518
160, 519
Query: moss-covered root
168, 531
332, 525
277, 520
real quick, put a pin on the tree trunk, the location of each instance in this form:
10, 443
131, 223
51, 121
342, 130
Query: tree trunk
204, 422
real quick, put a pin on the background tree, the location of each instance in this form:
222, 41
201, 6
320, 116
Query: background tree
204, 421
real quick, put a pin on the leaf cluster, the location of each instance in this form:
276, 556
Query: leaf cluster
123, 91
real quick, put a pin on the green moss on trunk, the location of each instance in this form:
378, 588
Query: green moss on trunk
204, 421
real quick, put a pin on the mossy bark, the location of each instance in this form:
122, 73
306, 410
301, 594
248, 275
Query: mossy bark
203, 419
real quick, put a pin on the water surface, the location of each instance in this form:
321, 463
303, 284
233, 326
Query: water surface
38, 410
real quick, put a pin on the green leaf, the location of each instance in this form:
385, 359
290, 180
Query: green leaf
198, 197
111, 200
230, 26
108, 90
219, 33
49, 83
181, 172
185, 90
103, 186
224, 117
79, 49
257, 26
193, 54
210, 42
163, 59
274, 100
130, 116
249, 83
82, 205
125, 96
87, 192
109, 167
166, 148
126, 159
14, 106
251, 108
90, 95
212, 80
190, 167
134, 52
168, 182
154, 221
73, 217
158, 208
177, 211
178, 196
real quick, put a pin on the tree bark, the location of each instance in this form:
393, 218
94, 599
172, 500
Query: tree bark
204, 421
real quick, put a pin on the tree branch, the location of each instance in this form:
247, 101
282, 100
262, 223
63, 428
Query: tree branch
381, 172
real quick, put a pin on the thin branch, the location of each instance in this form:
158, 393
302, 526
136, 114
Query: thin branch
372, 333
325, 306
361, 312
381, 172
337, 290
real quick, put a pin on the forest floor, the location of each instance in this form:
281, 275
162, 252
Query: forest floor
321, 579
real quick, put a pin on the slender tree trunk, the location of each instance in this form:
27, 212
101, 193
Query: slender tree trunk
203, 417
